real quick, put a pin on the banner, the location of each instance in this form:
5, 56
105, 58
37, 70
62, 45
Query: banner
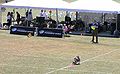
50, 32
21, 30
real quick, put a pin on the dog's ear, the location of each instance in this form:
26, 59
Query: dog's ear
78, 58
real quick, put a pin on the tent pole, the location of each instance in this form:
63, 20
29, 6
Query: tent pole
103, 17
116, 32
116, 22
1, 18
57, 16
14, 16
27, 17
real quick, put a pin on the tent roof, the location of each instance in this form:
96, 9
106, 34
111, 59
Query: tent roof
98, 6
45, 4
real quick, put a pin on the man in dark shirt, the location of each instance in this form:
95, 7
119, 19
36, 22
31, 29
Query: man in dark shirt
18, 18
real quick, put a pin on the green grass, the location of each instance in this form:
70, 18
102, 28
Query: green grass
40, 55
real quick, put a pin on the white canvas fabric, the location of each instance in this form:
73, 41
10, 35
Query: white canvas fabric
97, 6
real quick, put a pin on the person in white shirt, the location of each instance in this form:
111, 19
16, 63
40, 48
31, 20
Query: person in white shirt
9, 19
30, 17
43, 14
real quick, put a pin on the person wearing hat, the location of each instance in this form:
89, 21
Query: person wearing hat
94, 28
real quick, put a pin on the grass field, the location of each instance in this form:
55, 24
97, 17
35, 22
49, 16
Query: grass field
43, 55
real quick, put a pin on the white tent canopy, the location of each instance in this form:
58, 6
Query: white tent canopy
41, 4
97, 6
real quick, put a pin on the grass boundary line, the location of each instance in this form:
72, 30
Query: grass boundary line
87, 71
82, 61
103, 61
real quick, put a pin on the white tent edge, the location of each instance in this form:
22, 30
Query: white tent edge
11, 5
65, 9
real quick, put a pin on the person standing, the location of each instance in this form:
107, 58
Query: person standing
9, 19
18, 18
30, 17
26, 13
50, 14
67, 18
94, 28
43, 14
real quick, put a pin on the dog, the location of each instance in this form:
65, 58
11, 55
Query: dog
76, 60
